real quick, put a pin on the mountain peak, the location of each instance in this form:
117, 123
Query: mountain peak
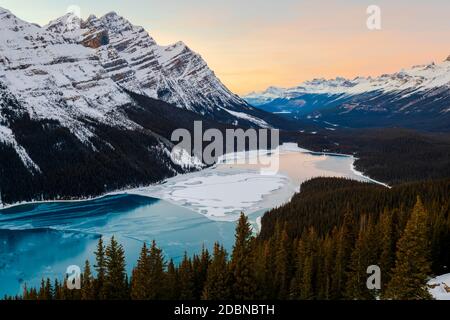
179, 44
91, 17
4, 10
415, 80
127, 55
68, 22
111, 14
448, 58
113, 17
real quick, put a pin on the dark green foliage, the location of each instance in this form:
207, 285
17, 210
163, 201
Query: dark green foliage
412, 266
100, 267
87, 284
217, 285
242, 262
391, 155
171, 287
335, 238
115, 285
147, 282
186, 279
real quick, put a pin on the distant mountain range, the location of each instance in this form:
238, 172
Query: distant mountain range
417, 98
89, 106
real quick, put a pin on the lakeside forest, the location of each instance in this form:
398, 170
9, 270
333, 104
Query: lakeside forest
318, 246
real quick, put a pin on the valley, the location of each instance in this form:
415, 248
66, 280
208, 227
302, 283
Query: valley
182, 214
90, 173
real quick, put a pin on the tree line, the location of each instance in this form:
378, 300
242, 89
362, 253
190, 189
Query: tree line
392, 155
327, 259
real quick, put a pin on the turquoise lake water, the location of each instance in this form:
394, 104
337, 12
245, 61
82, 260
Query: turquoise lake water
42, 240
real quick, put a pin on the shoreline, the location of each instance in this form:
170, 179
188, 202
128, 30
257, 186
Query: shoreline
361, 174
288, 148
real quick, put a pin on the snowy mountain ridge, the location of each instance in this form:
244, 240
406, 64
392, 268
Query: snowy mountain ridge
133, 59
50, 78
417, 79
78, 74
415, 98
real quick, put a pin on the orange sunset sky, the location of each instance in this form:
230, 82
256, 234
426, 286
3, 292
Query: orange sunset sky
253, 44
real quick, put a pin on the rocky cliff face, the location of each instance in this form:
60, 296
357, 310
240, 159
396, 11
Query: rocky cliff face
89, 106
65, 128
52, 78
133, 59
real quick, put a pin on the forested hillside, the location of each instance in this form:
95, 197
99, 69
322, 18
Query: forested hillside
316, 247
390, 155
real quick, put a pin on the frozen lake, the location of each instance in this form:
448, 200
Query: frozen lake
42, 240
182, 214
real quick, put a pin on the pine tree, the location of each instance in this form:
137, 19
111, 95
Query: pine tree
242, 262
115, 277
362, 257
345, 244
387, 243
217, 286
156, 276
309, 266
140, 276
48, 290
66, 294
171, 282
282, 269
303, 284
33, 294
26, 293
100, 268
263, 271
412, 266
186, 279
326, 267
87, 285
57, 290
42, 292
200, 266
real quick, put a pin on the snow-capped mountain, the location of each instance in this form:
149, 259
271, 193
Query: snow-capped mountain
77, 110
397, 99
55, 80
173, 73
416, 79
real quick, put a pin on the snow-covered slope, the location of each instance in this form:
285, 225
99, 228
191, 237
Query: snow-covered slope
65, 128
414, 80
53, 79
133, 59
418, 98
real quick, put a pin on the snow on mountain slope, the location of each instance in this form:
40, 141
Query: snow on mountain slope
59, 85
417, 79
54, 79
77, 110
416, 98
134, 60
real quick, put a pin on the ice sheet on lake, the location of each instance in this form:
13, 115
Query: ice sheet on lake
222, 192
